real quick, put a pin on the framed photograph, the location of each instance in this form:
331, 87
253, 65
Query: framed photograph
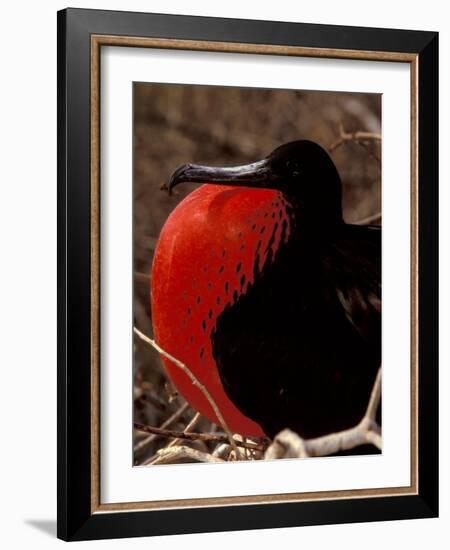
247, 255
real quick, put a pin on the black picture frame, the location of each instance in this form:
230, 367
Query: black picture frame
76, 521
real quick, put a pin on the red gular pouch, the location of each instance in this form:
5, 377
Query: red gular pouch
210, 249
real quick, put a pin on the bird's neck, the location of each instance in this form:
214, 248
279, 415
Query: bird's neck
321, 217
316, 201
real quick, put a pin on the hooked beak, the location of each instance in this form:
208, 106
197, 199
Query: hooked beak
256, 174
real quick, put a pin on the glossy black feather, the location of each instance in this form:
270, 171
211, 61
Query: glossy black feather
302, 347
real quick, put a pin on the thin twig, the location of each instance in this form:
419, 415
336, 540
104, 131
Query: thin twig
196, 382
359, 137
173, 418
375, 398
174, 442
369, 150
191, 425
175, 454
194, 436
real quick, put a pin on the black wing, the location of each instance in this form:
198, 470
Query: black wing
352, 267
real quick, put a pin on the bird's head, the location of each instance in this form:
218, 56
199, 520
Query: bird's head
302, 170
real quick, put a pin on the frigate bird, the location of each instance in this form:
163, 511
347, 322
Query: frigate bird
269, 297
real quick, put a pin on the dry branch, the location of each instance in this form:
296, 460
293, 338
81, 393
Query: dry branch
288, 444
359, 137
173, 418
177, 441
191, 425
194, 436
169, 455
362, 139
196, 383
375, 398
222, 451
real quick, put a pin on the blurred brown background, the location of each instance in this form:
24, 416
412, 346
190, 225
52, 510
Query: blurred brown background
176, 124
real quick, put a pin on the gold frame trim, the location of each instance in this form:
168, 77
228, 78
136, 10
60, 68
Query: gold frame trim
97, 41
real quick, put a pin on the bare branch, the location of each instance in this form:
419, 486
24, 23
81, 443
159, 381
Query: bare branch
369, 150
288, 444
375, 398
361, 138
196, 383
343, 441
169, 455
175, 416
194, 436
174, 442
222, 451
374, 439
191, 425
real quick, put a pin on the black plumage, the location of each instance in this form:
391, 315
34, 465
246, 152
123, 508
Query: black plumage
300, 348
